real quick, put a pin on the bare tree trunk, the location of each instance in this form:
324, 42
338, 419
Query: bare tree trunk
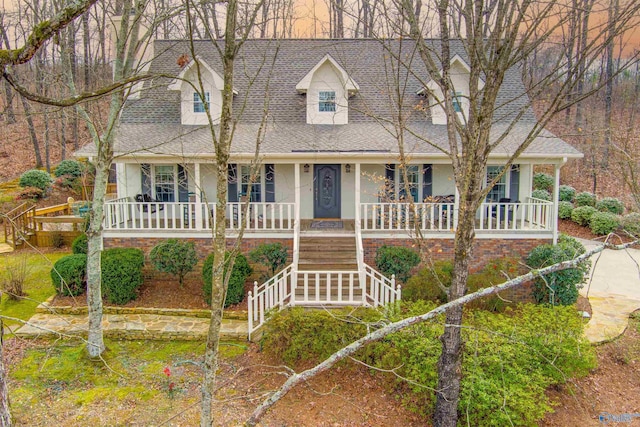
608, 94
86, 46
32, 131
9, 114
47, 141
5, 413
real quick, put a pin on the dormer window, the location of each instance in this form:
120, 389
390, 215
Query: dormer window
198, 105
457, 101
327, 101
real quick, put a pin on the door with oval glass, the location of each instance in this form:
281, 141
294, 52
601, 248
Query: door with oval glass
326, 191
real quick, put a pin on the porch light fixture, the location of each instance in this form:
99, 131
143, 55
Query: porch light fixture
347, 168
306, 168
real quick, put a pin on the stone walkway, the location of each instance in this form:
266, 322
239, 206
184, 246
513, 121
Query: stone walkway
5, 248
132, 326
614, 292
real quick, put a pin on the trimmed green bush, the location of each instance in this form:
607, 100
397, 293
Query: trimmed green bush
564, 210
505, 363
602, 223
566, 193
585, 199
30, 193
175, 257
610, 204
541, 194
271, 255
69, 167
582, 215
495, 272
69, 275
80, 245
235, 290
560, 287
543, 181
428, 283
36, 178
631, 223
121, 274
396, 260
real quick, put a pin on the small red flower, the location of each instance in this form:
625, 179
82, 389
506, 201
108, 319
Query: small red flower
167, 371
171, 386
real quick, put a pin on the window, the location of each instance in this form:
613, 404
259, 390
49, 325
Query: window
499, 190
198, 105
327, 101
457, 101
254, 190
165, 183
413, 178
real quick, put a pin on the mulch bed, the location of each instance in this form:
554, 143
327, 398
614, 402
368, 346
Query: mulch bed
160, 290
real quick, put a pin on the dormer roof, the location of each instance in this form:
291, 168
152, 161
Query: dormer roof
456, 60
349, 84
176, 84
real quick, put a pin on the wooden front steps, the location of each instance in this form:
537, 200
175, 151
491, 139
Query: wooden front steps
327, 254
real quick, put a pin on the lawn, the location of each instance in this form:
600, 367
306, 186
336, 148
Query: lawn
139, 382
35, 268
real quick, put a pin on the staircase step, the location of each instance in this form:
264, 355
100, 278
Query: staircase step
322, 266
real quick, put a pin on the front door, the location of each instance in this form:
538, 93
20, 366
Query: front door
326, 191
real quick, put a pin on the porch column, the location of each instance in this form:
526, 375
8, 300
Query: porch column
296, 233
555, 198
357, 199
456, 208
197, 187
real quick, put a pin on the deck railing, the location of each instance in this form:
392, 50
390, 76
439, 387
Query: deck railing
123, 214
274, 293
381, 289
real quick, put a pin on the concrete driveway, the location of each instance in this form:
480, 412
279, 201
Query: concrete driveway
614, 291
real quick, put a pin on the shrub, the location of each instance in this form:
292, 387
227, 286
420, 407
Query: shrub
564, 210
505, 362
36, 178
543, 181
585, 199
582, 215
603, 223
560, 287
495, 272
69, 167
121, 274
541, 194
271, 255
631, 223
566, 193
610, 204
396, 260
69, 275
30, 193
69, 182
175, 257
428, 283
80, 245
235, 289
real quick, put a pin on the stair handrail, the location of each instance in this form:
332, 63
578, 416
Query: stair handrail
381, 289
274, 293
20, 223
360, 255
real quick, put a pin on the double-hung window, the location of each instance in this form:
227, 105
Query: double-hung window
413, 178
499, 190
327, 101
251, 189
457, 101
165, 183
198, 105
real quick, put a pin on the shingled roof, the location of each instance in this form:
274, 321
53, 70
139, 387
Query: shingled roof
151, 124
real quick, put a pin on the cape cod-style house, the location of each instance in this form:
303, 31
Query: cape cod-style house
330, 185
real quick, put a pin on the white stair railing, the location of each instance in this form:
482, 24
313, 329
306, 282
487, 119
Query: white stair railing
275, 292
379, 288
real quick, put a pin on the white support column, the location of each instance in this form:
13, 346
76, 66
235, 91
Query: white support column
555, 198
357, 199
296, 234
197, 188
456, 208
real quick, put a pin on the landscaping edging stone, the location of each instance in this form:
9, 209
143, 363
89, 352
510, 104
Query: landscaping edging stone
47, 307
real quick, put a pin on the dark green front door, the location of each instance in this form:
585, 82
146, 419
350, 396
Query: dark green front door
326, 191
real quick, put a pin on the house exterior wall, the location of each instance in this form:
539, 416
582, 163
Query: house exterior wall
460, 79
188, 117
285, 185
443, 184
327, 78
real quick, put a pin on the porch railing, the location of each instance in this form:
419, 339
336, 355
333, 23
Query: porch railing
123, 214
381, 289
532, 214
274, 293
406, 216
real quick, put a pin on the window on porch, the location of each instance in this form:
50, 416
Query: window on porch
420, 180
165, 183
507, 187
262, 189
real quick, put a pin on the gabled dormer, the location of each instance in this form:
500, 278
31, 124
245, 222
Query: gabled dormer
192, 110
459, 72
328, 88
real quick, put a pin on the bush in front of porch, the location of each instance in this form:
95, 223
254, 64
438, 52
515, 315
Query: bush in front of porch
396, 260
235, 289
121, 274
174, 257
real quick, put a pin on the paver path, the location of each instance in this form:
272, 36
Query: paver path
5, 248
614, 292
132, 326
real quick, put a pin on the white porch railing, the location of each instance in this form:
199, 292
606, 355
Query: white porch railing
533, 214
405, 216
275, 292
122, 214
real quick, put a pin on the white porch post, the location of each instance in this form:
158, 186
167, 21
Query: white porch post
197, 187
357, 200
456, 208
296, 233
555, 198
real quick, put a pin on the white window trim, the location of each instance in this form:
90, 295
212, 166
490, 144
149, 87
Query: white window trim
207, 96
175, 180
507, 181
331, 100
241, 168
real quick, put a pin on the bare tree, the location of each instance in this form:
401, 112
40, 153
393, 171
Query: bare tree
5, 413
